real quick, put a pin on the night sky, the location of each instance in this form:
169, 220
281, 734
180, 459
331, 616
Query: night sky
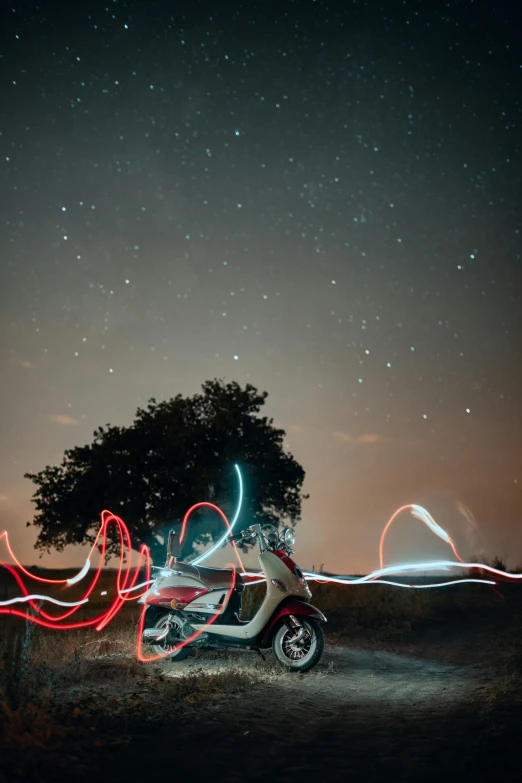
322, 199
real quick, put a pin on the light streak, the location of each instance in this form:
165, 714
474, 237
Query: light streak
374, 577
223, 517
339, 580
127, 576
129, 580
136, 587
22, 598
123, 588
79, 576
424, 516
234, 520
428, 520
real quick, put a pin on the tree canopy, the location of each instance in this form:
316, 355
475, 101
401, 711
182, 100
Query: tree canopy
176, 453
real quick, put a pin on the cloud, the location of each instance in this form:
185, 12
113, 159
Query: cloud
15, 359
343, 436
63, 419
3, 498
369, 437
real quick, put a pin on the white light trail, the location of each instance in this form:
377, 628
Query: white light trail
136, 587
420, 513
23, 598
79, 576
229, 530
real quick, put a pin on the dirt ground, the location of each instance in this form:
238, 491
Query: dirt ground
361, 714
442, 704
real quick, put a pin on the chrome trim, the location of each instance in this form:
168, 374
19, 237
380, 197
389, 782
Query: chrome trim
155, 634
299, 635
283, 537
165, 571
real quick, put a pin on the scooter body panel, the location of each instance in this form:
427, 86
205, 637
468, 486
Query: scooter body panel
282, 582
173, 586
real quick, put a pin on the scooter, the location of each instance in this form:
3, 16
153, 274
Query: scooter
184, 597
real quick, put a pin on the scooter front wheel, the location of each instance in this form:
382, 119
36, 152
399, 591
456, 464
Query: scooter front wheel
298, 650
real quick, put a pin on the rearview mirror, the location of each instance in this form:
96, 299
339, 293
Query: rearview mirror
173, 545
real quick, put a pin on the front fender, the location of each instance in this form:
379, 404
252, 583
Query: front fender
290, 606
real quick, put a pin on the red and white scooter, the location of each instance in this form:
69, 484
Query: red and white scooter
184, 597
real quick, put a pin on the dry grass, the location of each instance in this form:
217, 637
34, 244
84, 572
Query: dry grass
374, 612
63, 693
379, 613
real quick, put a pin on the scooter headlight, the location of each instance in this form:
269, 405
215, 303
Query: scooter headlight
288, 536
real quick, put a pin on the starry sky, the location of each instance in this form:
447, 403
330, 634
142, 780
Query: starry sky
319, 198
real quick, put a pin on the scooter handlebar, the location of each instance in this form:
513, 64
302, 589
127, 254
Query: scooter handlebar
248, 534
239, 537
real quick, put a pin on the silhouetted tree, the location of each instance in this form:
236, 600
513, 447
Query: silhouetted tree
175, 454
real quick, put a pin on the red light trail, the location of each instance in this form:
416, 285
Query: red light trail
127, 576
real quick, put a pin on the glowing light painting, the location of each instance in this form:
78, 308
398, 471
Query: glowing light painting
128, 588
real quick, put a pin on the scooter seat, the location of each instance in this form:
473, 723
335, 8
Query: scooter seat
215, 578
220, 578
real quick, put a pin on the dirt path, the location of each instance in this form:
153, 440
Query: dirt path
355, 681
360, 714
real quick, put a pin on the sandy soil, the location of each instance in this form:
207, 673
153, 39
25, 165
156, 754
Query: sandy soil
359, 714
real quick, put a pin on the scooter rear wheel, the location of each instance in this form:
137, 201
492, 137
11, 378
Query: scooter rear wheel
299, 654
162, 649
